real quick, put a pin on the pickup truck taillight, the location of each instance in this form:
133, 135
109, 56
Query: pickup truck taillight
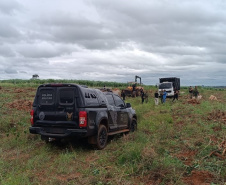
32, 117
82, 119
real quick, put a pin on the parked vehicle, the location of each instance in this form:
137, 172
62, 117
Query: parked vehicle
169, 84
70, 110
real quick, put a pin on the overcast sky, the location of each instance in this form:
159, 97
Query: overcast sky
114, 40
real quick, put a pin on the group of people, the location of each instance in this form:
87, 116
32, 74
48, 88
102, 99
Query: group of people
144, 96
193, 92
163, 95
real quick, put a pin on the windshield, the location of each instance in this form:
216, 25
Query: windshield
165, 85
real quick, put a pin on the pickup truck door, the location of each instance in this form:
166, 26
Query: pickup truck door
65, 107
122, 113
46, 108
112, 113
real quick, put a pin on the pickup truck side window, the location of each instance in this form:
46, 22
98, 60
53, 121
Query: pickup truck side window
91, 98
110, 99
118, 101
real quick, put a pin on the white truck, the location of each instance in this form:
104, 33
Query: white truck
169, 84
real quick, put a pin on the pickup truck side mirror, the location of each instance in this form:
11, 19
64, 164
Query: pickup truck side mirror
128, 105
122, 106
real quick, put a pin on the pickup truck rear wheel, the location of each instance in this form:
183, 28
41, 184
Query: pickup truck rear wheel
133, 126
102, 137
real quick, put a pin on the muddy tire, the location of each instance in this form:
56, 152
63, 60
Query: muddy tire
133, 126
102, 137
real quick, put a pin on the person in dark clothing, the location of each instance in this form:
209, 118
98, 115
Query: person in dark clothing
175, 96
134, 87
134, 90
142, 94
196, 92
156, 95
190, 91
123, 95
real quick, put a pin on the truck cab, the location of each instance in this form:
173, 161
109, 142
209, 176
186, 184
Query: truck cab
168, 86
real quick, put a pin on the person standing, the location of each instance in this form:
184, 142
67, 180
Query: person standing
142, 95
175, 96
196, 92
123, 95
164, 96
190, 91
134, 90
156, 95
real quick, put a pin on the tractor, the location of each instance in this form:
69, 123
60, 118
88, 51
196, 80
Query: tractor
133, 90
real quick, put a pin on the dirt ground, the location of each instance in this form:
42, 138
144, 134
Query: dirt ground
23, 105
22, 98
199, 178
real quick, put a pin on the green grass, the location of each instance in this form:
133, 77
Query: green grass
155, 154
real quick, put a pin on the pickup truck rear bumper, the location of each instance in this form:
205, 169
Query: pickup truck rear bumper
58, 132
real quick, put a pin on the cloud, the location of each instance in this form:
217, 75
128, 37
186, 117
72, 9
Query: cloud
23, 72
44, 49
9, 7
11, 71
114, 41
6, 51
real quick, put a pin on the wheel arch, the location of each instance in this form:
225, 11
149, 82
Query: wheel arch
134, 117
104, 122
102, 118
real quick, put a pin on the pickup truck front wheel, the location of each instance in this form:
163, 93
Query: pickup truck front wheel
102, 137
133, 126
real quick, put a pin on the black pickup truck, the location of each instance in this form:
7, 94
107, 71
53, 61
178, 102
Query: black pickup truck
70, 110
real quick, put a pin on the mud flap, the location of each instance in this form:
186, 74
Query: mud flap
92, 140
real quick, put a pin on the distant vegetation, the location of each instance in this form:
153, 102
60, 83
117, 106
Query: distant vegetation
89, 83
36, 82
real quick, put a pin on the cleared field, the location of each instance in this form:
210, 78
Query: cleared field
182, 142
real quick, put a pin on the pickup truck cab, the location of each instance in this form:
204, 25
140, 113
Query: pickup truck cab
70, 110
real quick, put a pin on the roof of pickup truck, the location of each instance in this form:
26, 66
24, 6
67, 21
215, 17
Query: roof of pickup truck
83, 88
